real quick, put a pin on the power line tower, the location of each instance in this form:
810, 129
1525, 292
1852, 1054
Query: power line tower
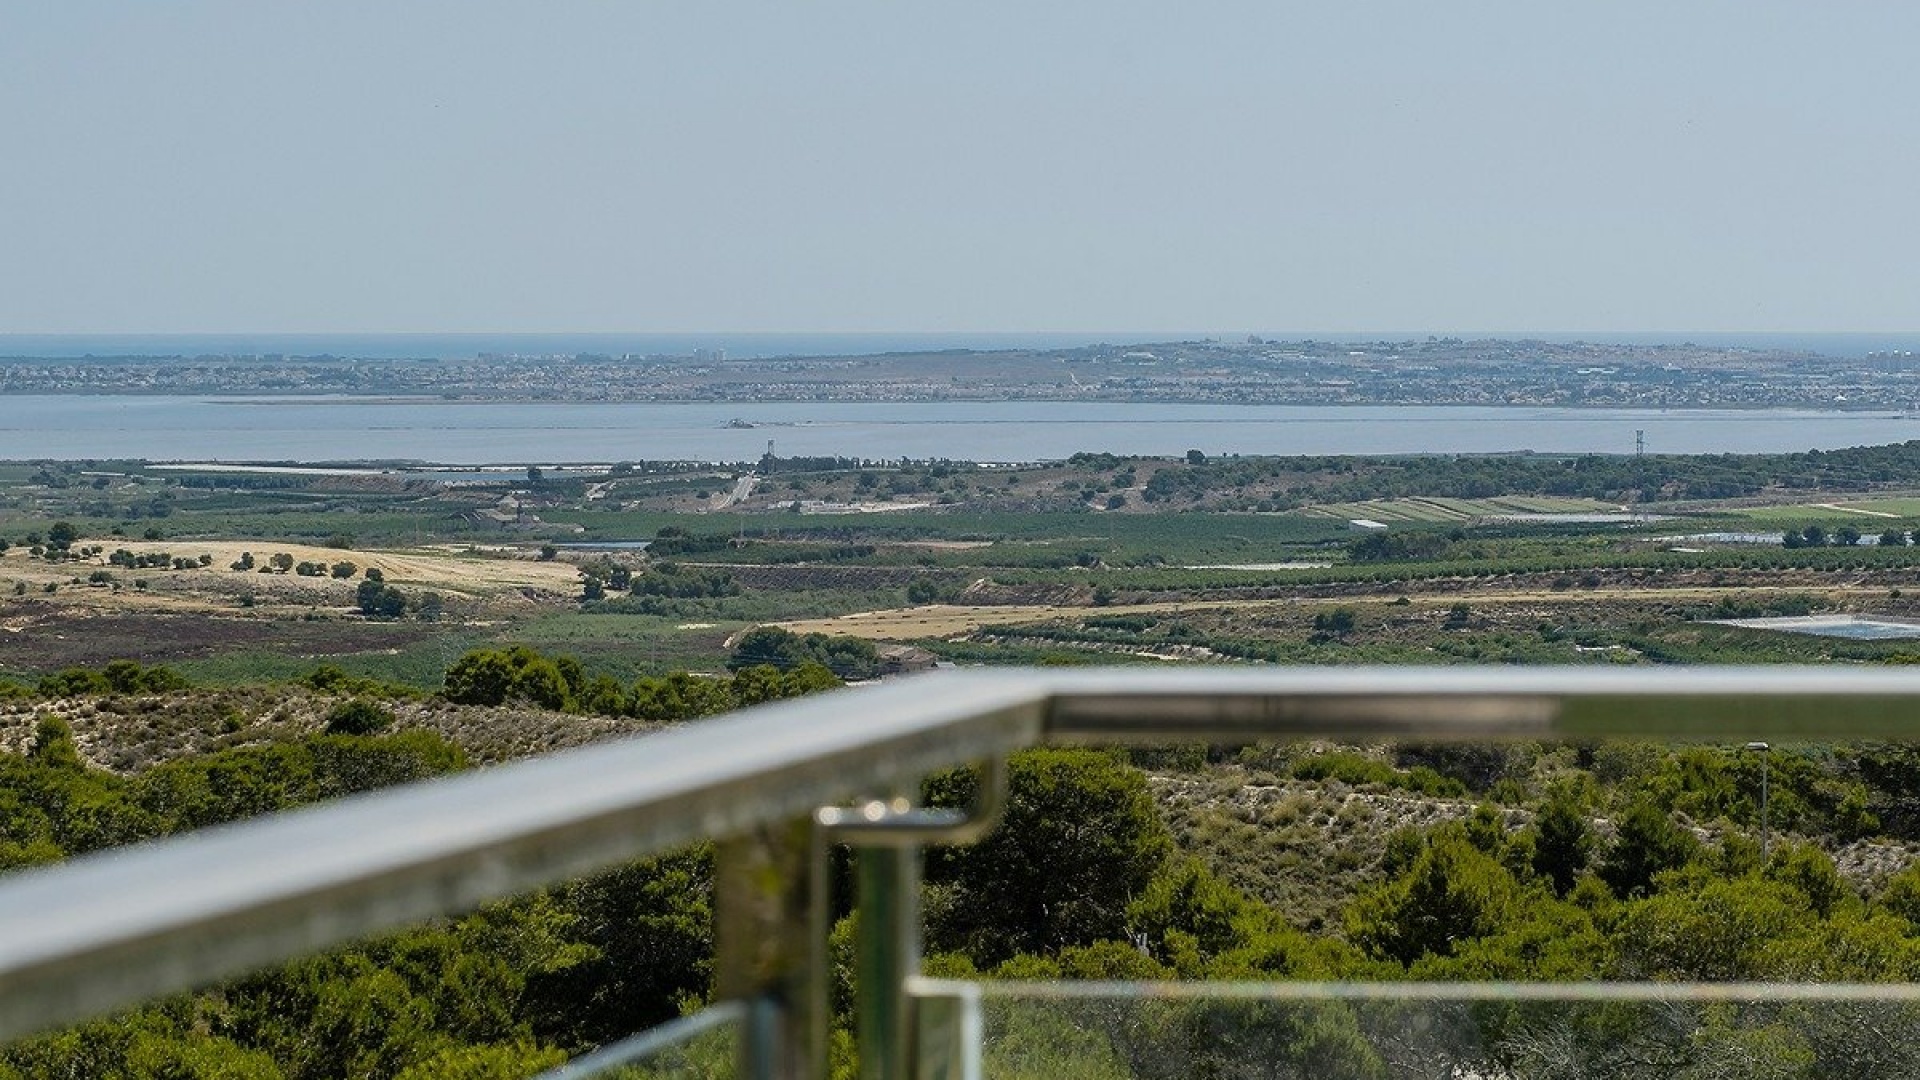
1639, 443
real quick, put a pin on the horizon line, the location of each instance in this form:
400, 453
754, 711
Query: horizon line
1163, 334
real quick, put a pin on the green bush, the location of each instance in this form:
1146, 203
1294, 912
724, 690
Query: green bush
358, 717
1351, 768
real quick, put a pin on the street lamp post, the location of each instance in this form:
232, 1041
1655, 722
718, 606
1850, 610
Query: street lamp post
1766, 837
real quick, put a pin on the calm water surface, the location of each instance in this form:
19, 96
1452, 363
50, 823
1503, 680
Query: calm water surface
1854, 627
433, 430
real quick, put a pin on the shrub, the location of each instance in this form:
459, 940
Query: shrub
118, 677
358, 717
380, 601
492, 677
849, 658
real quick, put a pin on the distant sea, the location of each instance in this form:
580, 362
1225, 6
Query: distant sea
309, 428
752, 345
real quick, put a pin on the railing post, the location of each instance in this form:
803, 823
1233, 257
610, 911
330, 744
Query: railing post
949, 1035
769, 936
887, 953
888, 834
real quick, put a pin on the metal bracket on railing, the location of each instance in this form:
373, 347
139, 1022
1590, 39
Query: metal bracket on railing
889, 833
897, 823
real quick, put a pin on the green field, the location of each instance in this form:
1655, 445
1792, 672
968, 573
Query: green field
1175, 537
1867, 515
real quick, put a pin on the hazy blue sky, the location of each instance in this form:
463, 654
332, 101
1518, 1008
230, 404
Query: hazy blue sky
191, 166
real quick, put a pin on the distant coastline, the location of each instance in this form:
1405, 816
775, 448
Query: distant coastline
763, 345
429, 346
1250, 370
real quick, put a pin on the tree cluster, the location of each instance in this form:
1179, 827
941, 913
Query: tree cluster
1467, 476
671, 580
770, 464
117, 677
156, 560
1813, 536
518, 673
849, 658
673, 541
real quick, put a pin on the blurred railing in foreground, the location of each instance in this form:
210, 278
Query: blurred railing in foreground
775, 785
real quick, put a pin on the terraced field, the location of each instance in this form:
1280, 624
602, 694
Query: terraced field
948, 620
1438, 509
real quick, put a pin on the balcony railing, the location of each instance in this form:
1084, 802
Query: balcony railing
775, 784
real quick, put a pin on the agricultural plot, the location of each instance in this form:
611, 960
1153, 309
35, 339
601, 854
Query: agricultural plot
1532, 602
1891, 509
1385, 510
448, 568
1019, 557
1863, 514
1440, 509
1548, 504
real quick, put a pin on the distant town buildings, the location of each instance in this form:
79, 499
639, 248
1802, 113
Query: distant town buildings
1258, 371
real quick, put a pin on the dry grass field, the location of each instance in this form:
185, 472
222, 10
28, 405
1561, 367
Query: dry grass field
467, 573
56, 614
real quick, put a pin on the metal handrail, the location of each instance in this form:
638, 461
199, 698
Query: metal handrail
113, 929
923, 987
